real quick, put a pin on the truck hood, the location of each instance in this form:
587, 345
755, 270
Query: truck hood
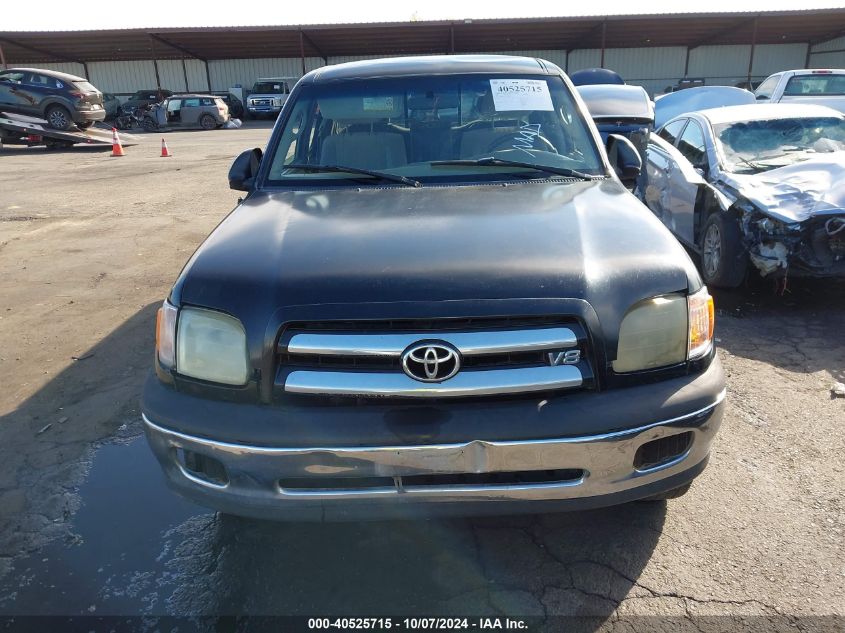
313, 252
796, 192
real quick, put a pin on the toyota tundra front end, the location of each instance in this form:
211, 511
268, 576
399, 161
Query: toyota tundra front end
436, 298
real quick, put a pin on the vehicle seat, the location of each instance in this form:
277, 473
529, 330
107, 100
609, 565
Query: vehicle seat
366, 146
430, 140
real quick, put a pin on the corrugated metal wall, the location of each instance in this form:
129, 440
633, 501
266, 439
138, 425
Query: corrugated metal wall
127, 77
123, 76
772, 58
229, 72
653, 68
656, 68
197, 78
830, 54
71, 68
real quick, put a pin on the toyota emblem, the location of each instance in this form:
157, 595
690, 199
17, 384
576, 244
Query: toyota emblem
431, 362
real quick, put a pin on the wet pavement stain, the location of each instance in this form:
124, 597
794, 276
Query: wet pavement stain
116, 534
137, 549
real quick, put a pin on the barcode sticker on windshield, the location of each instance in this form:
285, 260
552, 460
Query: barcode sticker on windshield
378, 104
521, 94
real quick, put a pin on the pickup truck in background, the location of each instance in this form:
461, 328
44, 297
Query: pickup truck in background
817, 87
268, 95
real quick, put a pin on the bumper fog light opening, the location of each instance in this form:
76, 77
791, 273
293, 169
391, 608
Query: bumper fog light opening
202, 467
660, 452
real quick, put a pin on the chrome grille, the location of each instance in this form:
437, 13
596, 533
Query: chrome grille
363, 358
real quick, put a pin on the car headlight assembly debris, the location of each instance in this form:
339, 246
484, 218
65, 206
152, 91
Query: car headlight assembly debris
769, 256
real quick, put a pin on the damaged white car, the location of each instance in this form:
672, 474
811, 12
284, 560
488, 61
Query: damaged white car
760, 185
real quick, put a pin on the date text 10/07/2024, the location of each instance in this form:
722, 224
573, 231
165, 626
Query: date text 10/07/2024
419, 624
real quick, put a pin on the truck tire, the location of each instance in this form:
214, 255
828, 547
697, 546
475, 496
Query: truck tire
680, 491
724, 261
208, 122
149, 125
58, 117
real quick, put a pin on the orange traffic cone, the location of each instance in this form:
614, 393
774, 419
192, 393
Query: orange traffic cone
116, 147
165, 153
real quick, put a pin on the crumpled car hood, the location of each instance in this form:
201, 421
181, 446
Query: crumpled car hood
796, 192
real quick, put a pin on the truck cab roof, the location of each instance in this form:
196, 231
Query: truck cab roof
433, 65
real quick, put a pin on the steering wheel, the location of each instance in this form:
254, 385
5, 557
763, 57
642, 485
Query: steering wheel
515, 141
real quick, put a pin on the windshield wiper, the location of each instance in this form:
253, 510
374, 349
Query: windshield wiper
754, 165
357, 170
501, 162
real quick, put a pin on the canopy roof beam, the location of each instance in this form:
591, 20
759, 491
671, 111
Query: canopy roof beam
177, 47
587, 38
311, 43
739, 26
831, 35
41, 51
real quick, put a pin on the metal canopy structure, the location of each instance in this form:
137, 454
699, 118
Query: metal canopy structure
453, 36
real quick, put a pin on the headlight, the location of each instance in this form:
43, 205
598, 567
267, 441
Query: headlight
166, 334
664, 331
653, 334
702, 320
211, 346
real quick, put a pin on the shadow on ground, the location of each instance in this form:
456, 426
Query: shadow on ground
568, 564
105, 535
45, 440
800, 330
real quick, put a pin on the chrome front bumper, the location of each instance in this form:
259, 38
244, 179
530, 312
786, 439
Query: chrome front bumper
609, 476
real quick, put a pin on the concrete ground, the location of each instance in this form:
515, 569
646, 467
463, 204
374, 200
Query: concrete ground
89, 245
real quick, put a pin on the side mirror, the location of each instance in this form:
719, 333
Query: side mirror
243, 170
624, 158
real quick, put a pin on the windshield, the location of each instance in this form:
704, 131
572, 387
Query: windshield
755, 146
402, 126
815, 85
270, 88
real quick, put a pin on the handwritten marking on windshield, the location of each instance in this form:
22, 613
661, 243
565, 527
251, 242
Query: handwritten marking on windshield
525, 139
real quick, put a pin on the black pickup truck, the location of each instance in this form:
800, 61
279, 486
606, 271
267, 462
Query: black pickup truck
437, 297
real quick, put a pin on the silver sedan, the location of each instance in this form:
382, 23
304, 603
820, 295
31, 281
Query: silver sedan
753, 187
